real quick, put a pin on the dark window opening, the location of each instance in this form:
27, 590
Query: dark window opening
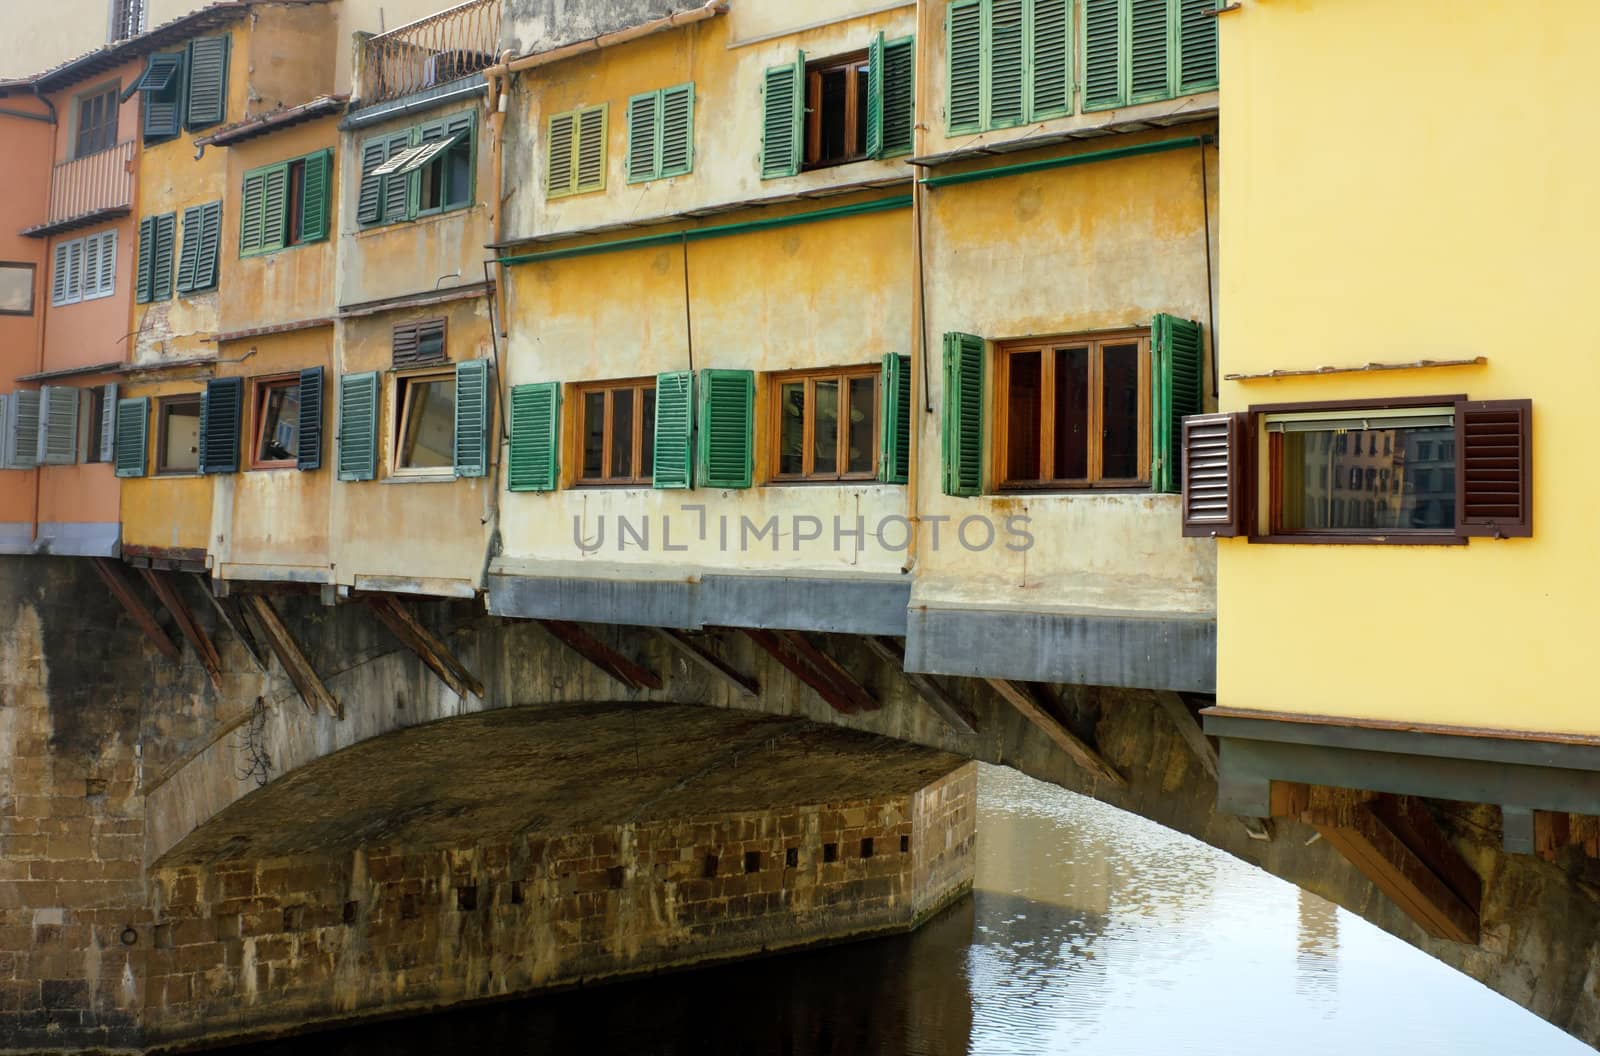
467, 898
408, 907
297, 200
710, 866
446, 181
615, 876
791, 857
836, 111
905, 845
351, 911
752, 861
92, 415
294, 918
616, 427
97, 123
866, 847
516, 892
830, 852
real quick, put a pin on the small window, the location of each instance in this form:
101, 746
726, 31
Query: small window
295, 232
275, 442
616, 432
425, 433
97, 122
127, 19
836, 111
178, 434
446, 181
1074, 413
827, 425
16, 288
91, 425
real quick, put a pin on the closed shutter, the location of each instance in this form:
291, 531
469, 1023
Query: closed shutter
672, 457
163, 109
1178, 351
274, 208
964, 44
205, 275
108, 422
472, 418
894, 420
100, 265
558, 155
208, 82
1102, 54
315, 196
220, 409
358, 426
535, 437
251, 221
591, 149
677, 130
1049, 60
308, 446
1215, 453
369, 201
962, 427
399, 197
644, 148
164, 241
66, 283
146, 266
418, 343
58, 426
1494, 468
21, 441
1007, 75
727, 426
783, 108
189, 257
133, 427
898, 97
1148, 73
1197, 45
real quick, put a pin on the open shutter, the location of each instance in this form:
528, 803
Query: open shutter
875, 97
163, 106
1197, 45
314, 196
1007, 72
59, 275
727, 428
964, 45
251, 227
1214, 457
108, 422
535, 437
146, 266
1178, 352
133, 428
677, 130
1148, 70
558, 155
591, 166
472, 418
783, 110
962, 427
674, 430
1102, 54
205, 274
165, 242
898, 98
369, 202
1494, 468
274, 207
358, 426
308, 447
644, 146
208, 82
399, 203
189, 258
21, 440
58, 426
220, 408
1049, 60
894, 420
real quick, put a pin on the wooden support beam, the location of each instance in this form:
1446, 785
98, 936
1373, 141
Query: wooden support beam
167, 590
832, 670
1188, 727
1409, 818
228, 610
783, 648
404, 625
709, 661
602, 656
136, 608
284, 647
1080, 751
951, 711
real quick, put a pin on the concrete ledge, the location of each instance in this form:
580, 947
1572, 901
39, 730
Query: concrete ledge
62, 539
642, 602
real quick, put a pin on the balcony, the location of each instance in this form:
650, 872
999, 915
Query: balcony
431, 51
90, 189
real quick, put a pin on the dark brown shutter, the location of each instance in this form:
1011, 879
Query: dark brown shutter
1215, 453
418, 343
1494, 468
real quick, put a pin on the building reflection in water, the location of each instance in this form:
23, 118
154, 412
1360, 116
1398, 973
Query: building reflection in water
1316, 962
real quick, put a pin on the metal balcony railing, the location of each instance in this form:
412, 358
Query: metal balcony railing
433, 50
90, 186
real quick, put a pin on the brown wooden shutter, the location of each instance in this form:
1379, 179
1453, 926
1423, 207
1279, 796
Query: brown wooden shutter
418, 343
1215, 453
1494, 468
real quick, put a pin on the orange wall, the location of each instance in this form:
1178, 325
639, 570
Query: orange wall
24, 202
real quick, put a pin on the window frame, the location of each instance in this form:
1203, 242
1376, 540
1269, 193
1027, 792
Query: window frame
844, 375
33, 285
856, 67
402, 380
575, 185
260, 388
164, 407
582, 389
112, 92
1000, 411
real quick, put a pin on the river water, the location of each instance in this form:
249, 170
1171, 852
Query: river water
1090, 932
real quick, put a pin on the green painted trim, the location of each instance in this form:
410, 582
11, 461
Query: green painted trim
878, 205
1071, 159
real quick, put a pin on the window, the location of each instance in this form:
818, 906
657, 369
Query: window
575, 152
837, 110
127, 19
661, 133
616, 432
1074, 412
275, 432
185, 89
178, 434
158, 237
97, 423
1009, 62
1136, 51
418, 342
418, 171
285, 204
97, 122
85, 269
426, 426
16, 288
202, 241
826, 425
161, 88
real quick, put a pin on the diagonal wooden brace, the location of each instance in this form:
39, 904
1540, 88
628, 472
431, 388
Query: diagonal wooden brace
953, 712
136, 608
831, 682
705, 658
284, 647
404, 625
602, 656
167, 590
1081, 752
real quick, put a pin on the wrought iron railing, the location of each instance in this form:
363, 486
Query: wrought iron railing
88, 185
434, 50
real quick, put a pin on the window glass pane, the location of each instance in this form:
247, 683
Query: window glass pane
825, 431
647, 430
622, 432
181, 450
1072, 414
1411, 488
792, 428
594, 436
859, 431
1119, 411
297, 193
280, 423
458, 173
16, 288
1024, 416
835, 86
859, 148
430, 424
431, 178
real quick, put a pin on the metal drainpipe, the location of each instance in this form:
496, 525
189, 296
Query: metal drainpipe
499, 90
919, 350
45, 309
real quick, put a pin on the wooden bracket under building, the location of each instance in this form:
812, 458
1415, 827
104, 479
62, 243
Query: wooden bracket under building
709, 661
951, 711
136, 608
602, 656
284, 647
228, 609
836, 686
167, 590
1084, 754
1188, 726
404, 625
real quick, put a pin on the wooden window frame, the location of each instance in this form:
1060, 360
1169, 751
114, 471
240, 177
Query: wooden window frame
1000, 411
809, 473
111, 89
402, 380
855, 66
260, 388
33, 285
164, 406
579, 420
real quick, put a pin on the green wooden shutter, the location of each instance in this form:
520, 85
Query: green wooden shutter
133, 426
202, 236
21, 441
57, 441
898, 98
220, 409
208, 82
677, 130
146, 268
189, 258
644, 144
369, 201
399, 189
534, 459
165, 236
875, 97
965, 51
894, 420
308, 437
673, 458
1049, 59
783, 112
1197, 45
1178, 350
358, 426
1102, 54
1148, 40
163, 107
314, 196
727, 428
1007, 76
250, 198
108, 422
591, 150
472, 418
962, 427
275, 208
559, 154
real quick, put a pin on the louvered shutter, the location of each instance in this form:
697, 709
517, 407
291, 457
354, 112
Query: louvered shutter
369, 201
399, 199
535, 437
146, 265
672, 457
558, 155
1007, 75
358, 426
21, 441
472, 418
58, 276
163, 108
962, 427
208, 82
1197, 45
875, 97
1178, 352
1049, 59
5, 426
1102, 54
314, 196
66, 284
727, 428
220, 409
677, 130
898, 97
644, 144
274, 207
166, 237
1148, 72
189, 257
894, 420
133, 428
964, 46
100, 265
205, 276
108, 422
57, 443
251, 221
1214, 457
1494, 468
783, 109
414, 344
591, 150
308, 437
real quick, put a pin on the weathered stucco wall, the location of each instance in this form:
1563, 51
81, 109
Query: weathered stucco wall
168, 511
540, 25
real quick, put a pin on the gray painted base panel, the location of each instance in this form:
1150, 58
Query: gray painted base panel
62, 539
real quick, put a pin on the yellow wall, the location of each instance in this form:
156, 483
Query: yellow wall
170, 512
1437, 205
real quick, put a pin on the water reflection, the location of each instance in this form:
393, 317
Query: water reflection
1090, 932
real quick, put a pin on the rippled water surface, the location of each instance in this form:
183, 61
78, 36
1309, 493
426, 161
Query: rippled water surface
1090, 932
